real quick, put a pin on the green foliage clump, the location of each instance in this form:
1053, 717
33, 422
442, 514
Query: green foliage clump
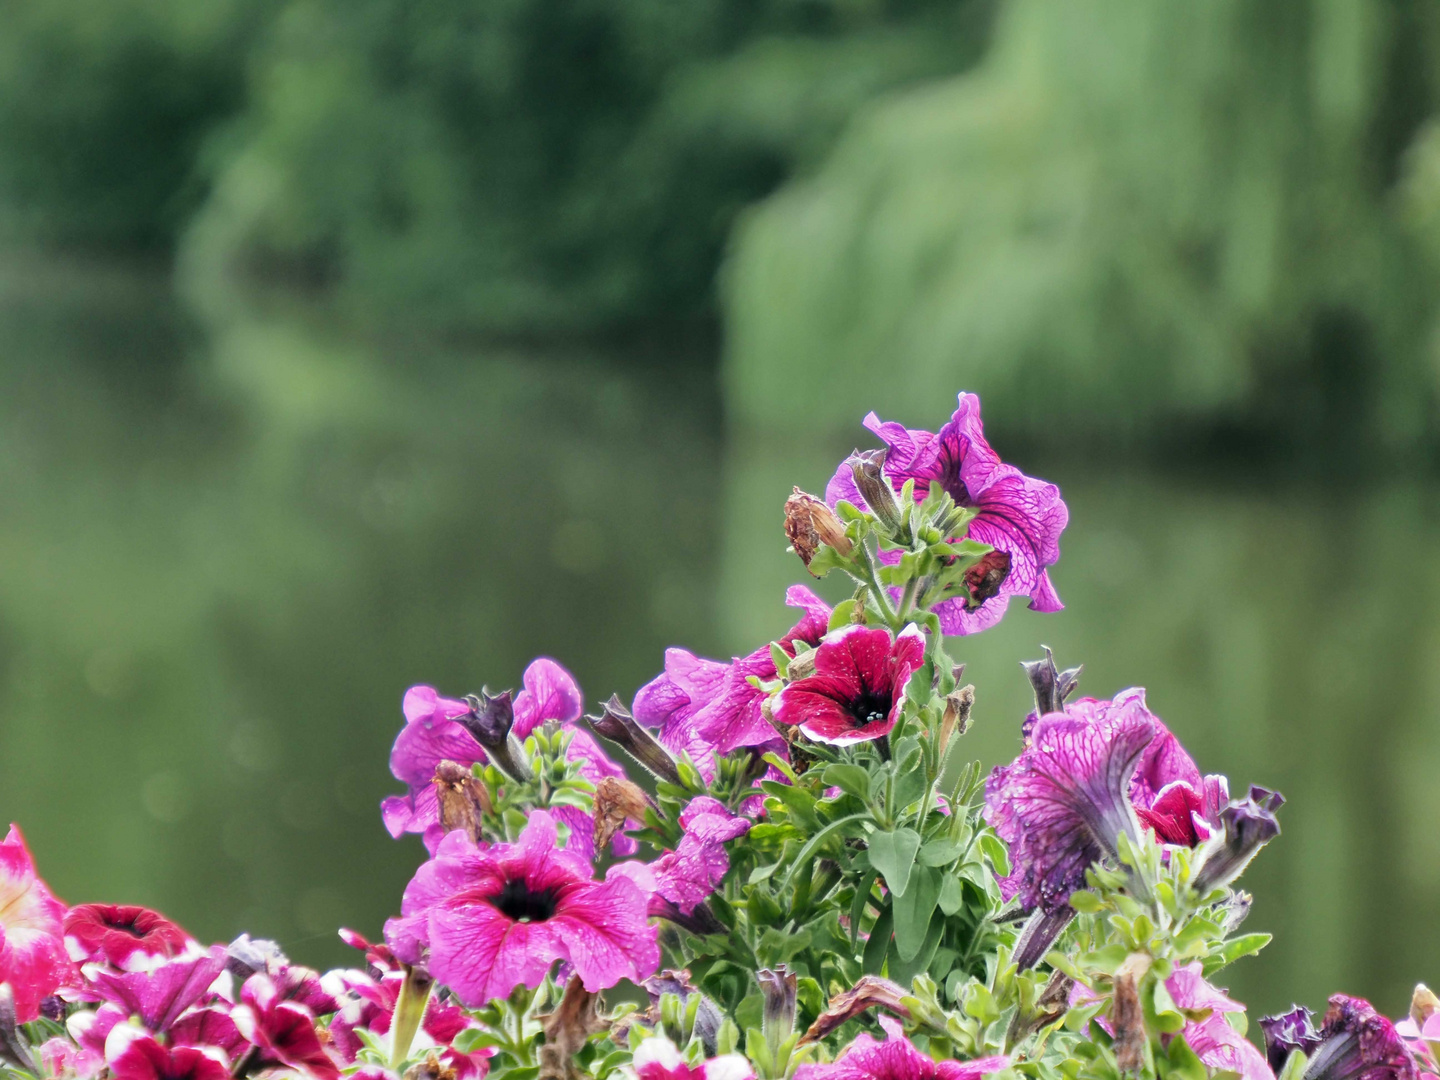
534, 166
1129, 217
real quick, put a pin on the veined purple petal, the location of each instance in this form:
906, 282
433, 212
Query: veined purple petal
550, 693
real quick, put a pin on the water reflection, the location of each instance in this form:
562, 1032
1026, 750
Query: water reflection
225, 559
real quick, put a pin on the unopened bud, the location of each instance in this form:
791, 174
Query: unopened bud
489, 721
810, 523
463, 799
868, 469
777, 1021
869, 992
984, 578
616, 801
617, 725
1249, 825
956, 718
1423, 1005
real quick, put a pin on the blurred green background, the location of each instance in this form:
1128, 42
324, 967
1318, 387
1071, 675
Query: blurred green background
350, 344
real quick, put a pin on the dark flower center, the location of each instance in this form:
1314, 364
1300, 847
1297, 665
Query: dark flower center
950, 479
519, 902
871, 707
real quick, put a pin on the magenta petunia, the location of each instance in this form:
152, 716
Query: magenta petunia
498, 918
1214, 1040
33, 959
1017, 515
690, 873
369, 1004
658, 1059
125, 936
858, 687
896, 1059
158, 996
706, 708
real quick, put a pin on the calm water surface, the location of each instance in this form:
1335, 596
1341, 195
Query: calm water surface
224, 557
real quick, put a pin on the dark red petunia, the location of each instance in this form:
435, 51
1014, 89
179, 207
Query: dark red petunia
123, 935
283, 1031
147, 1059
858, 687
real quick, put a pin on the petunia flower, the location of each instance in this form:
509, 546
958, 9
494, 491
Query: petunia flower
33, 959
656, 1058
136, 1055
1354, 1043
896, 1059
1020, 517
282, 1031
61, 1057
125, 936
499, 918
1207, 1032
706, 708
858, 687
157, 997
689, 874
369, 1004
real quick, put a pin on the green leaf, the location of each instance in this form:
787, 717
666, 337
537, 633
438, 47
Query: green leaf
940, 852
851, 779
803, 855
913, 911
779, 657
1294, 1067
952, 896
994, 849
893, 855
842, 614
1085, 902
879, 943
1245, 945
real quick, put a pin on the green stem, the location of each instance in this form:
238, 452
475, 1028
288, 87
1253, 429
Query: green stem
409, 1011
877, 591
907, 601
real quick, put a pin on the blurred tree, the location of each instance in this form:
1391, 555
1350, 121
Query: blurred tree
1132, 217
104, 106
539, 166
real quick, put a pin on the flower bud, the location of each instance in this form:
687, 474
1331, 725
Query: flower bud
616, 801
1423, 1005
956, 718
701, 921
13, 1048
463, 799
879, 496
778, 1018
809, 523
1249, 825
869, 992
489, 721
617, 725
1051, 686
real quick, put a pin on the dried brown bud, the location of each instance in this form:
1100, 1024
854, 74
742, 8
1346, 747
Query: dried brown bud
616, 800
463, 799
802, 667
574, 1020
983, 580
956, 718
810, 523
870, 992
432, 1068
1126, 1016
1049, 1007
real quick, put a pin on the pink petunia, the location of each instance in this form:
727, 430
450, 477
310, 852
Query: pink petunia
135, 1055
1017, 515
33, 959
690, 873
125, 936
282, 1031
498, 918
896, 1059
858, 687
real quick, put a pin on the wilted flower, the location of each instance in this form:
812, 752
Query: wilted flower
657, 1059
1354, 1043
430, 736
498, 918
869, 992
1214, 1041
704, 708
1249, 825
33, 959
1020, 517
810, 523
858, 687
123, 935
896, 1059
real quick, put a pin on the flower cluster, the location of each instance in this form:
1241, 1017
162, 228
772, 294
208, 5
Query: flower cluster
789, 856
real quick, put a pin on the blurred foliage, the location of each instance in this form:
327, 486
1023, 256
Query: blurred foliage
536, 165
1131, 218
104, 107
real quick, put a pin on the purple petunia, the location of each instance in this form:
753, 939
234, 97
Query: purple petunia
1354, 1043
706, 708
689, 874
498, 918
1017, 515
858, 688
